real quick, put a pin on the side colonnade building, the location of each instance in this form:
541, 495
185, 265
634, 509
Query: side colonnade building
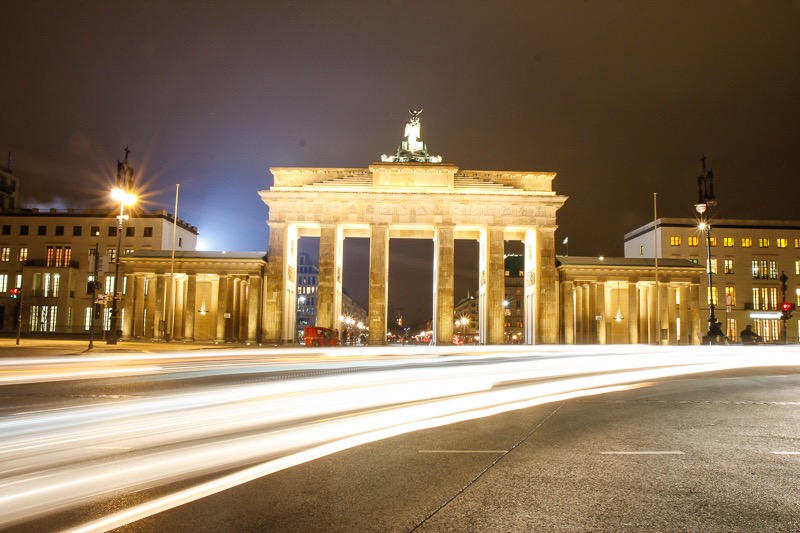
618, 300
197, 296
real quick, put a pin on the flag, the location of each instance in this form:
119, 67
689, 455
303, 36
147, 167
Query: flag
566, 240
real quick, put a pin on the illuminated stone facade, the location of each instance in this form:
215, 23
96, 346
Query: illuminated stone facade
197, 296
623, 300
436, 201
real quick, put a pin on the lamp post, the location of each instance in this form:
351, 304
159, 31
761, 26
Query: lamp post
705, 201
122, 193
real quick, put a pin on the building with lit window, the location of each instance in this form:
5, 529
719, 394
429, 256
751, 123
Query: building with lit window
46, 254
514, 328
747, 260
9, 187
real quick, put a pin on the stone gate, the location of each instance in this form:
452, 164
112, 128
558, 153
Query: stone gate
413, 195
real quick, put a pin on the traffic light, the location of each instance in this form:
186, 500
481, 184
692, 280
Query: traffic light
786, 309
15, 293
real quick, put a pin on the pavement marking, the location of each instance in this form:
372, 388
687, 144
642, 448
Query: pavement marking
463, 451
786, 453
644, 453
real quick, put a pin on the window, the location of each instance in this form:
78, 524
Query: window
732, 329
765, 298
712, 241
729, 266
713, 295
713, 266
781, 243
773, 270
797, 267
747, 242
691, 241
727, 242
763, 243
112, 231
23, 230
95, 231
797, 243
77, 230
5, 253
730, 291
87, 318
59, 231
130, 231
112, 255
675, 240
42, 230
180, 242
128, 251
23, 254
58, 256
641, 249
3, 282
148, 231
109, 285
6, 229
764, 269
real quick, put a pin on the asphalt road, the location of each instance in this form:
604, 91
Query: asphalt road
707, 453
712, 452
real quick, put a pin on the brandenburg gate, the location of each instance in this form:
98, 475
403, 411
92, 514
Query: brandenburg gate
413, 195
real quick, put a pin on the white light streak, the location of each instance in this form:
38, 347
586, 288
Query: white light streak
60, 458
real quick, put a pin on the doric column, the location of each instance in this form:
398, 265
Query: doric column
644, 313
664, 322
253, 296
671, 313
235, 297
694, 314
378, 283
276, 283
531, 305
179, 309
547, 286
633, 314
443, 284
601, 311
191, 308
568, 311
652, 315
683, 315
128, 306
329, 281
138, 306
588, 316
159, 323
492, 286
580, 313
222, 308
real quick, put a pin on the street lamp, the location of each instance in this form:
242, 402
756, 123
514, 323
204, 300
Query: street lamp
705, 201
122, 193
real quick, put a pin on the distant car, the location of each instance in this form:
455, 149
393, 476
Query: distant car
458, 340
316, 336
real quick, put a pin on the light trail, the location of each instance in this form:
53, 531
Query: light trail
58, 459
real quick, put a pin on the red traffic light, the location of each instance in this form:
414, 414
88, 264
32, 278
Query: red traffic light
786, 307
15, 293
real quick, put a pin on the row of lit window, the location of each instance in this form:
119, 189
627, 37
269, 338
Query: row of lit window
760, 268
763, 298
77, 231
729, 242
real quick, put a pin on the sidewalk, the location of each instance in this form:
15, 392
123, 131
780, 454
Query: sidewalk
37, 347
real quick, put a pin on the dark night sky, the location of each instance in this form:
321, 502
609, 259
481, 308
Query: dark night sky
619, 97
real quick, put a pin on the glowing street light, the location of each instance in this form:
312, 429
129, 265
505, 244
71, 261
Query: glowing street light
705, 201
122, 193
